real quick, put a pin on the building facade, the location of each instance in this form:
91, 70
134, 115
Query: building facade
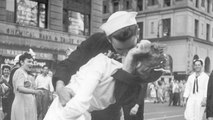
185, 26
48, 27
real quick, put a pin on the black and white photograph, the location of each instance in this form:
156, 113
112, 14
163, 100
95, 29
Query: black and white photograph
106, 59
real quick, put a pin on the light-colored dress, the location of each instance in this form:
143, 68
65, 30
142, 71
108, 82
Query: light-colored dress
93, 87
24, 105
194, 110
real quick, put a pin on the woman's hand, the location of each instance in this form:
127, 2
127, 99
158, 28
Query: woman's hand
143, 47
134, 110
203, 103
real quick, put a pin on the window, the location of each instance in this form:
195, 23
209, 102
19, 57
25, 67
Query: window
78, 23
196, 28
105, 9
212, 6
203, 3
127, 5
202, 26
208, 6
140, 5
166, 30
167, 3
207, 32
140, 25
152, 2
212, 32
115, 6
197, 3
31, 13
152, 27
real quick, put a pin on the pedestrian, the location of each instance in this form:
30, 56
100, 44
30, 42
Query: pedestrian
160, 92
94, 88
209, 103
24, 104
196, 92
120, 33
153, 92
182, 89
176, 92
43, 82
11, 94
134, 110
6, 89
170, 92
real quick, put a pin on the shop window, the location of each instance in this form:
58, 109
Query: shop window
31, 13
77, 23
140, 5
166, 30
152, 2
167, 3
196, 28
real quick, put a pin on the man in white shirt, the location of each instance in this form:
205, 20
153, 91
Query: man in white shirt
44, 82
195, 93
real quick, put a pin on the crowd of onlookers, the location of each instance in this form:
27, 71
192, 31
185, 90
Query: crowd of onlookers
171, 92
25, 87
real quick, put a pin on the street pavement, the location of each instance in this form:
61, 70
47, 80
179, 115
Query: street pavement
161, 111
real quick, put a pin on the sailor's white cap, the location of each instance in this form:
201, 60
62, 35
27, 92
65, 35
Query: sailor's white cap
118, 20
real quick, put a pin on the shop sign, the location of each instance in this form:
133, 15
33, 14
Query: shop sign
9, 52
42, 34
12, 62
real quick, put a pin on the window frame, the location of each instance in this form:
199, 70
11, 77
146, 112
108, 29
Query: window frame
67, 24
45, 2
165, 27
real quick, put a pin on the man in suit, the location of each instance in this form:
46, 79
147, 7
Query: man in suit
209, 103
120, 34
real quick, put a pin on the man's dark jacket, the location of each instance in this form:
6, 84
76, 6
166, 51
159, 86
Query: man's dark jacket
209, 105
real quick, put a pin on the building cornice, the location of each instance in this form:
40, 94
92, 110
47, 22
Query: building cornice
175, 38
168, 10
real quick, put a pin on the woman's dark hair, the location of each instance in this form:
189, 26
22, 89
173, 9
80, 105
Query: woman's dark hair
25, 56
5, 66
124, 33
197, 60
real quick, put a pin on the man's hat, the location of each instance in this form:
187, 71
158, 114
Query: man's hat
119, 20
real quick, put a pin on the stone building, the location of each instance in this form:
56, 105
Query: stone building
185, 26
49, 27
